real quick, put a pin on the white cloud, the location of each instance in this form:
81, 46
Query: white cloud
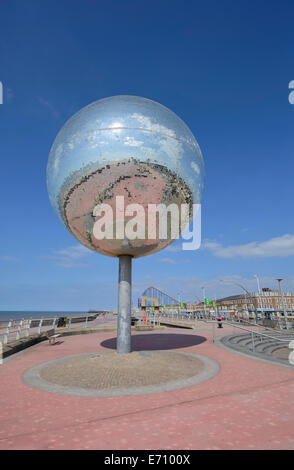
282, 247
71, 257
174, 248
195, 167
147, 123
8, 258
131, 142
168, 260
73, 252
116, 127
174, 148
57, 157
173, 261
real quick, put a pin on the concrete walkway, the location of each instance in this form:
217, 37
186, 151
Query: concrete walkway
247, 405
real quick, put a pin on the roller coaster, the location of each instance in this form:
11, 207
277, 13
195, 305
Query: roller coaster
153, 297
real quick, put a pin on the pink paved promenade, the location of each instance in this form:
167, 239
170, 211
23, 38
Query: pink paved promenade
247, 405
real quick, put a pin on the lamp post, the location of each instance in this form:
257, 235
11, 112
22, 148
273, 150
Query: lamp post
246, 291
215, 306
200, 301
283, 302
179, 300
259, 292
204, 302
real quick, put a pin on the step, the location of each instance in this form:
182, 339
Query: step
262, 347
236, 339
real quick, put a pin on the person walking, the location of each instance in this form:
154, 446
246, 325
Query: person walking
219, 321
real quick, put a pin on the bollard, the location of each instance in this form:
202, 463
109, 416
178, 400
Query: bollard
27, 331
40, 326
8, 328
18, 331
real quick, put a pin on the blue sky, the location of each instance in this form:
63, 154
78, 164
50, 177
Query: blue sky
224, 67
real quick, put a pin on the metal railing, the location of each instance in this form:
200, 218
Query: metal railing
253, 333
152, 318
13, 330
258, 325
179, 315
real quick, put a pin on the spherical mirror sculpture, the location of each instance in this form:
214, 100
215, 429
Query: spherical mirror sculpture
117, 152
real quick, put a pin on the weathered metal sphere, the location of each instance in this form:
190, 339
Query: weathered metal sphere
122, 146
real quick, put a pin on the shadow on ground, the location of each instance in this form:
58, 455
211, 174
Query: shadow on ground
158, 342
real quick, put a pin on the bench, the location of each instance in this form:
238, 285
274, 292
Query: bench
51, 336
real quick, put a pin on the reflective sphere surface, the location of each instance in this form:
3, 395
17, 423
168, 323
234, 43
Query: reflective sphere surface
124, 146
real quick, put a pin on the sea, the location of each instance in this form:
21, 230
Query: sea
20, 315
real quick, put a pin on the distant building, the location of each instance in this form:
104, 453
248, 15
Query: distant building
267, 301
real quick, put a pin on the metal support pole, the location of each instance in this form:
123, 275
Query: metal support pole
283, 303
203, 290
252, 339
124, 305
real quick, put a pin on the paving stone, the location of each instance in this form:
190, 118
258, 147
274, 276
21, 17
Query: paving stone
247, 405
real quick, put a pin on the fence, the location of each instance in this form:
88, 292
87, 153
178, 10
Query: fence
13, 330
282, 339
153, 318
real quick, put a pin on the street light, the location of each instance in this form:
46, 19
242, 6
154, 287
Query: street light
283, 302
204, 301
200, 301
179, 300
248, 293
259, 292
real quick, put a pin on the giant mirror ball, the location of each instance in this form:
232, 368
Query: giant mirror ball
125, 146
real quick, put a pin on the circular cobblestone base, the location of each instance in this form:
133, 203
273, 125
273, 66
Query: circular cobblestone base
107, 373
